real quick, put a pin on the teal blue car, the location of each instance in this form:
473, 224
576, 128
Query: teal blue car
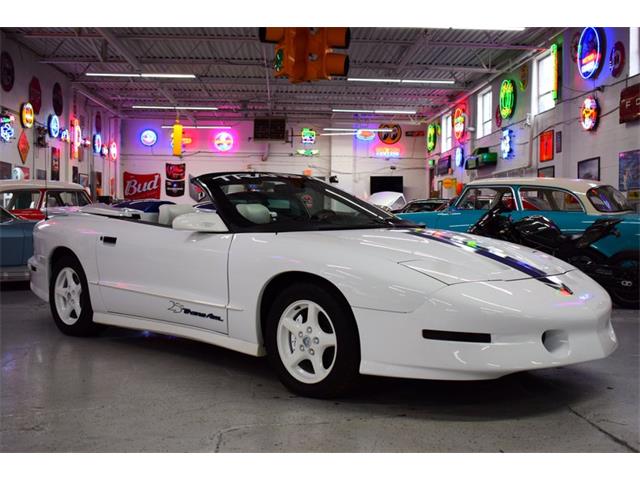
572, 205
16, 246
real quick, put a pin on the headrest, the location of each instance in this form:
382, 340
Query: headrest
254, 212
167, 213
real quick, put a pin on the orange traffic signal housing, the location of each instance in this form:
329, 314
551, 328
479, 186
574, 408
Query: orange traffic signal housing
306, 54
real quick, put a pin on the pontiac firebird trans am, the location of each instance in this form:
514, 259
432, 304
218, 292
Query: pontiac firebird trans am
324, 284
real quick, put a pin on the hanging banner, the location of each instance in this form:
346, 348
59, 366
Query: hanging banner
175, 171
55, 163
140, 186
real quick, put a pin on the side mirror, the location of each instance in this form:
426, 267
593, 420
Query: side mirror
205, 222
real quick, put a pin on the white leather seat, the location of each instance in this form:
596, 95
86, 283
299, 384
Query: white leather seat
167, 213
254, 212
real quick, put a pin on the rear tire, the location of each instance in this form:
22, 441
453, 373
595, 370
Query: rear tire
312, 342
627, 297
69, 298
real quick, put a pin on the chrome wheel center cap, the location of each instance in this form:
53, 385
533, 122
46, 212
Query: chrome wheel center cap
307, 341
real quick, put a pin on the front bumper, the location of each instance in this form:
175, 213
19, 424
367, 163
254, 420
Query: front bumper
531, 326
19, 273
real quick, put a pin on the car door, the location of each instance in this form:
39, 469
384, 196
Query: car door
11, 240
153, 271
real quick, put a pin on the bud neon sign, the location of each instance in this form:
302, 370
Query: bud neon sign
589, 53
507, 98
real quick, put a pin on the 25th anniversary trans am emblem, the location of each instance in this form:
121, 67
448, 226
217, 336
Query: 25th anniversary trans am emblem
178, 308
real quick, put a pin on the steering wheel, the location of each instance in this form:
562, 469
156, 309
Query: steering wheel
324, 215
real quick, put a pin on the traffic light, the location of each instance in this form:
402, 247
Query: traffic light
306, 54
322, 62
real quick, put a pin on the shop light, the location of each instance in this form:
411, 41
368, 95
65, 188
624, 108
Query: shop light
499, 29
354, 130
201, 127
391, 112
170, 107
397, 80
141, 75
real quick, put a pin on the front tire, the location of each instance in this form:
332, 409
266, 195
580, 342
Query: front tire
69, 298
312, 342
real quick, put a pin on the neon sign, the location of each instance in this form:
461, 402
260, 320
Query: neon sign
6, 132
589, 53
53, 125
307, 152
388, 152
97, 143
308, 136
589, 113
104, 151
64, 135
432, 137
507, 98
27, 115
148, 138
77, 139
555, 56
113, 150
506, 145
223, 141
458, 123
459, 156
365, 135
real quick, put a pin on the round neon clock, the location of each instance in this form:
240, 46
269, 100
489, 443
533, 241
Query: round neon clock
27, 115
53, 125
223, 141
589, 113
113, 151
507, 98
97, 143
589, 53
148, 138
458, 123
432, 137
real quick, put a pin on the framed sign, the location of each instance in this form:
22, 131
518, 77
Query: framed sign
75, 175
629, 170
547, 172
55, 163
41, 174
589, 169
57, 100
35, 94
7, 72
559, 141
630, 104
5, 170
546, 146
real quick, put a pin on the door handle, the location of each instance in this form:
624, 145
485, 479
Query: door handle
108, 240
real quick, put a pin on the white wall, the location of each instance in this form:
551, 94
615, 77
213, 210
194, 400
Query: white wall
75, 106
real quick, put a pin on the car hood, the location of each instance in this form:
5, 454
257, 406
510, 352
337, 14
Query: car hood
449, 257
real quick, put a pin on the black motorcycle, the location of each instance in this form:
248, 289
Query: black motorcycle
540, 233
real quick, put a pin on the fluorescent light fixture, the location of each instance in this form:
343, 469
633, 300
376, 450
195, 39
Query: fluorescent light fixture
169, 107
354, 130
335, 134
201, 127
141, 75
397, 80
340, 129
496, 29
398, 112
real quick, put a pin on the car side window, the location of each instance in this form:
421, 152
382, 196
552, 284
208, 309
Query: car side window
20, 199
549, 199
483, 198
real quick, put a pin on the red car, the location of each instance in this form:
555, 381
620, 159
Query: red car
27, 199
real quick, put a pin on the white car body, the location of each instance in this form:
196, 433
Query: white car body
532, 310
389, 200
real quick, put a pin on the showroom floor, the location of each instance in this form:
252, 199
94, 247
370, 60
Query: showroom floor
130, 391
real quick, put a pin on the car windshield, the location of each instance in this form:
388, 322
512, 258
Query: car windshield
278, 202
608, 199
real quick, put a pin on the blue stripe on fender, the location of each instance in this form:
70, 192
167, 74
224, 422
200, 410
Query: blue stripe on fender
514, 263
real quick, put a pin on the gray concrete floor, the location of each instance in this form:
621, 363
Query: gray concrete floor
129, 391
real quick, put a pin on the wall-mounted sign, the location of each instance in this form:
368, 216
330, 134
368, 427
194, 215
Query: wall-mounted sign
174, 188
507, 98
449, 183
104, 151
506, 144
389, 138
414, 133
589, 54
546, 146
6, 127
388, 152
617, 59
459, 156
523, 83
57, 99
97, 143
175, 171
459, 123
556, 55
113, 150
27, 115
55, 163
140, 186
432, 137
365, 135
307, 152
176, 139
77, 139
35, 94
53, 125
630, 104
589, 113
148, 137
97, 123
64, 135
23, 146
223, 141
7, 71
308, 136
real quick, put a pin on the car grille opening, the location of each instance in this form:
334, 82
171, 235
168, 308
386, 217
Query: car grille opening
456, 336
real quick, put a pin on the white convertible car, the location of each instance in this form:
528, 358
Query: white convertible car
326, 285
